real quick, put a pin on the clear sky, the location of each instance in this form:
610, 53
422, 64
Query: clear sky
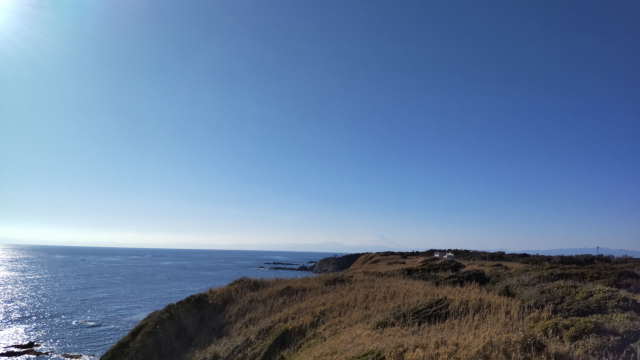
326, 125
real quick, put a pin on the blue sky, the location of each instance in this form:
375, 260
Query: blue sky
332, 125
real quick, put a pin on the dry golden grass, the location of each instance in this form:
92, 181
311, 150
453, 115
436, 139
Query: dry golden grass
378, 311
340, 320
384, 263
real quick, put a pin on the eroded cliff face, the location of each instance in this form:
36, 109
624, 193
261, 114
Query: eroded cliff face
177, 330
180, 330
408, 306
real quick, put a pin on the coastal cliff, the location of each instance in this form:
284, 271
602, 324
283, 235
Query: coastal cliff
384, 306
335, 263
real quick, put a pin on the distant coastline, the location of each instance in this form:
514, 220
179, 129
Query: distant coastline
350, 250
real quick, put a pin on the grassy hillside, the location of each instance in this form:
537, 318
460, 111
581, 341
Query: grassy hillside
409, 306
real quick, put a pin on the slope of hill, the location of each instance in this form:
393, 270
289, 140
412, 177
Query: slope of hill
394, 305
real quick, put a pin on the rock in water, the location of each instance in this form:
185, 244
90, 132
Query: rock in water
12, 353
71, 356
29, 345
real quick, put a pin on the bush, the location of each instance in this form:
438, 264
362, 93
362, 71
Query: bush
571, 299
467, 277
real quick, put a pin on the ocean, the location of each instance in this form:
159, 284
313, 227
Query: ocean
81, 300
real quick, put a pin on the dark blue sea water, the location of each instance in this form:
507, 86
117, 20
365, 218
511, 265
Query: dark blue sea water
83, 299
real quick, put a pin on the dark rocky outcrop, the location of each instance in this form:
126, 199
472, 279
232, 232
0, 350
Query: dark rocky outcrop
28, 345
71, 356
335, 263
298, 268
281, 263
23, 349
14, 353
326, 265
27, 349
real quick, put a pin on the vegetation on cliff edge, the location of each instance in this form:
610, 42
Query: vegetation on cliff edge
389, 306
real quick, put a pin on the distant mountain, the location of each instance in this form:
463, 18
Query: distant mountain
581, 251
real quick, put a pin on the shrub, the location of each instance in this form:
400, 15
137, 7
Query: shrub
467, 277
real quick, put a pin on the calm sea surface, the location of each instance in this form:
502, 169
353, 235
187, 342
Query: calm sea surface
82, 299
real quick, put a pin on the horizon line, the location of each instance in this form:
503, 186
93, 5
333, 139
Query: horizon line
530, 251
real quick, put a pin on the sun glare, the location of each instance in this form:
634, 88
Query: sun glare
7, 11
11, 14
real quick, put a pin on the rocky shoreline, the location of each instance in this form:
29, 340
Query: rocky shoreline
29, 349
330, 264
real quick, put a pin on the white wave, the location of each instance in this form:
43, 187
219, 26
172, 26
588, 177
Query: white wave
86, 323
